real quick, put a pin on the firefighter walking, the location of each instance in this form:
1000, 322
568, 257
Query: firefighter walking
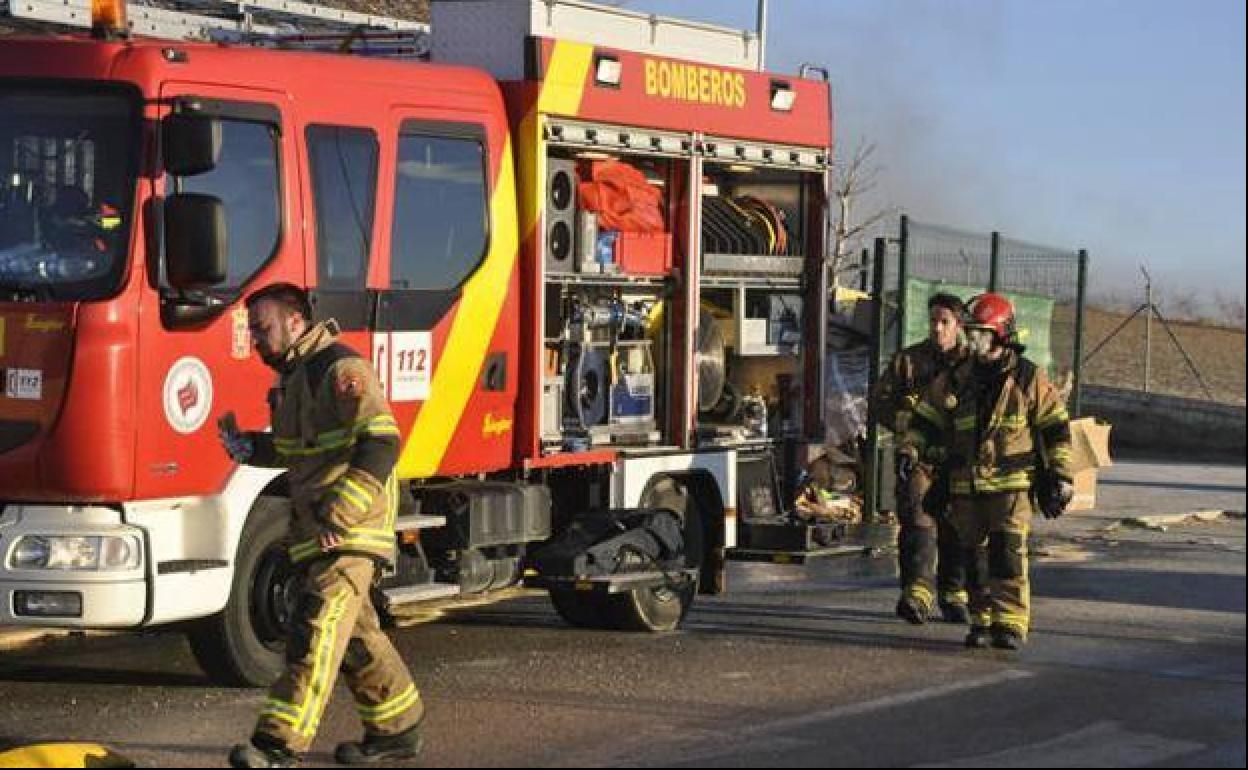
930, 563
335, 435
1002, 431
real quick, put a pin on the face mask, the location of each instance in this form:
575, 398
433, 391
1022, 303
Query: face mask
981, 341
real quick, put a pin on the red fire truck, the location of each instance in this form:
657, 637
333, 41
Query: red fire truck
583, 246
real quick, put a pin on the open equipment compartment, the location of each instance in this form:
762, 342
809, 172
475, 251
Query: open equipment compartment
757, 227
610, 218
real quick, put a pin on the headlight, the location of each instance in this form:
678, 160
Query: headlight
30, 552
63, 552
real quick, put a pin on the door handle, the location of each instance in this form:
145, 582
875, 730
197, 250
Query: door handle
495, 377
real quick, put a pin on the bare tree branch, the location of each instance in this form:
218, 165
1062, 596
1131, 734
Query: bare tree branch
853, 179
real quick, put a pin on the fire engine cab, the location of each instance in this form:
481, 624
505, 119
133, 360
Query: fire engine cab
583, 247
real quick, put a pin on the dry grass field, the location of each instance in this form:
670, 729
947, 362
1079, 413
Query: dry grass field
1218, 352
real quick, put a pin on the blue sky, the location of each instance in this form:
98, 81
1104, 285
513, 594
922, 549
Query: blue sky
1114, 125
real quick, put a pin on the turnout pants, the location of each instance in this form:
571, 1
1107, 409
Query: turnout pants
999, 587
928, 552
336, 627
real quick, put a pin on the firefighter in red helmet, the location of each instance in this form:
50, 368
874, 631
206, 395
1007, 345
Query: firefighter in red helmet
1000, 428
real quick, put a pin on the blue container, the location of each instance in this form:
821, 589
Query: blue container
604, 253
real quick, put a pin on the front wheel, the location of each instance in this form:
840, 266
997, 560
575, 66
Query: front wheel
242, 645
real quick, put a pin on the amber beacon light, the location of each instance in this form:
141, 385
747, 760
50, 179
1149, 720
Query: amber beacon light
108, 19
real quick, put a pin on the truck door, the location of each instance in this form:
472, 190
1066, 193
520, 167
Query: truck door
343, 172
196, 360
446, 340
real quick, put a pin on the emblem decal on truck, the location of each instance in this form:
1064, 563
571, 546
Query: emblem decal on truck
187, 395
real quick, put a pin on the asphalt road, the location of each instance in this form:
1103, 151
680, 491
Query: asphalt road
1137, 659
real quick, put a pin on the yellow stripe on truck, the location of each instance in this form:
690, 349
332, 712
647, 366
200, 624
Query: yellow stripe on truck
562, 91
484, 294
479, 308
563, 86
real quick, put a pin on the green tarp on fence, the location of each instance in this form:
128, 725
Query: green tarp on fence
1034, 313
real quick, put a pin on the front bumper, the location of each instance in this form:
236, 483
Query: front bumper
109, 599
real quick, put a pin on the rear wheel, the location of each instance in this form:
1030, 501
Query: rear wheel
242, 645
662, 608
655, 609
578, 608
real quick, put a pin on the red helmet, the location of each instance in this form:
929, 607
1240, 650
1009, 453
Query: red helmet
993, 311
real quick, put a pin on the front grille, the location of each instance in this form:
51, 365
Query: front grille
15, 433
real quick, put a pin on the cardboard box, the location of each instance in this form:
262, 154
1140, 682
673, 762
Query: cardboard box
1085, 490
1090, 451
1089, 441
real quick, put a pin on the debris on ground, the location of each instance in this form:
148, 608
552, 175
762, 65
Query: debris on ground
1162, 522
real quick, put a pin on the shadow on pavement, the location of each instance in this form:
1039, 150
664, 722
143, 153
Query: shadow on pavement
42, 673
745, 620
1148, 588
1173, 485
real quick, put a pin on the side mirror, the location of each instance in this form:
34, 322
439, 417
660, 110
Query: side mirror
191, 143
196, 242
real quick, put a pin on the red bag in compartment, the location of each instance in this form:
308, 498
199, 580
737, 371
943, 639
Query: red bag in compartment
622, 198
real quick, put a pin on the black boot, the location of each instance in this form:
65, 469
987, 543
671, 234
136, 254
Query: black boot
251, 755
978, 638
955, 612
912, 610
380, 748
1006, 638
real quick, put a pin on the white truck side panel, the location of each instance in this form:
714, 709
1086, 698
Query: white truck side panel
633, 474
203, 529
491, 34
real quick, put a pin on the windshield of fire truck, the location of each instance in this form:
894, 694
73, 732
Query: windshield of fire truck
67, 175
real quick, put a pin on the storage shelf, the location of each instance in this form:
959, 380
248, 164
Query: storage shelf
753, 264
718, 281
606, 279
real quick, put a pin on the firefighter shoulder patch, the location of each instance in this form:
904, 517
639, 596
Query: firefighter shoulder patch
349, 382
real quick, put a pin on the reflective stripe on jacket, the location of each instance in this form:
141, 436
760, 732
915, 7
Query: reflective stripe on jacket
990, 447
334, 432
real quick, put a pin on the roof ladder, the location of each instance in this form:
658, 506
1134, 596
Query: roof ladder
265, 23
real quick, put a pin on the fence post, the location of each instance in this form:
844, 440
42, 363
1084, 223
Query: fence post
994, 262
871, 473
903, 280
1149, 309
1081, 298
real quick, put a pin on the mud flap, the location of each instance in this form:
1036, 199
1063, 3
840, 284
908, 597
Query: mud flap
597, 544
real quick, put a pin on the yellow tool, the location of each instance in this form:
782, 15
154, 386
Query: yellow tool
63, 755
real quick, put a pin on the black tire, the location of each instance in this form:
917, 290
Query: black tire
243, 645
578, 609
661, 609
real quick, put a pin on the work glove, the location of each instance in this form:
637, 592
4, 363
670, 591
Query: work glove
238, 445
1057, 498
